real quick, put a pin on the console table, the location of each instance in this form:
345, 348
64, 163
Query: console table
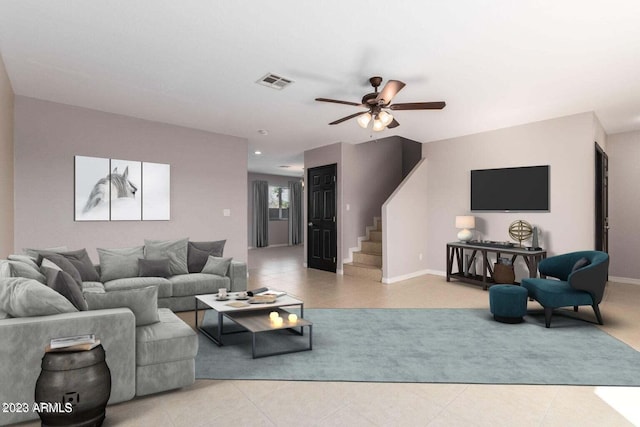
455, 252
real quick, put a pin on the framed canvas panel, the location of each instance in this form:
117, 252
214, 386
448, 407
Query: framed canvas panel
92, 189
156, 197
126, 184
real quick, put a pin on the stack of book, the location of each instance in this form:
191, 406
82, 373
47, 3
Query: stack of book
75, 343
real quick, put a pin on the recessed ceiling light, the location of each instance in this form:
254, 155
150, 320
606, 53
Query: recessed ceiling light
258, 152
285, 166
263, 132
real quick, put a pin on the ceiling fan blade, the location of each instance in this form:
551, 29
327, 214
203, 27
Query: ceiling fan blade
335, 101
344, 119
418, 106
394, 124
390, 90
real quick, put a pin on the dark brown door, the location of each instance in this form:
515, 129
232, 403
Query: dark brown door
602, 200
321, 209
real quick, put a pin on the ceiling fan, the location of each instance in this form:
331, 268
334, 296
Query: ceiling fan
379, 104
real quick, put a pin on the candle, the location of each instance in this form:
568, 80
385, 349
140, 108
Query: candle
293, 318
278, 321
274, 315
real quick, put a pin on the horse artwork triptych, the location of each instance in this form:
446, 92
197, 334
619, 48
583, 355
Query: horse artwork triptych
121, 190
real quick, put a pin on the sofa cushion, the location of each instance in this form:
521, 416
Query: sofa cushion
21, 297
96, 287
163, 285
154, 267
61, 282
216, 265
168, 340
22, 269
199, 252
197, 284
175, 250
142, 302
120, 262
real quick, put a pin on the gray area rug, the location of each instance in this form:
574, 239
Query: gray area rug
427, 345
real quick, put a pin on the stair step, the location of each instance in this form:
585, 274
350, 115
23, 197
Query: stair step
367, 258
372, 247
375, 236
363, 270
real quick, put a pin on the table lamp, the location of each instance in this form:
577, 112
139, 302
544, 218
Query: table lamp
465, 222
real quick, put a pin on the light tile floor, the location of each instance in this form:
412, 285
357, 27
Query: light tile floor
296, 403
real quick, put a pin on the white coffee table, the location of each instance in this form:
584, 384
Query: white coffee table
248, 317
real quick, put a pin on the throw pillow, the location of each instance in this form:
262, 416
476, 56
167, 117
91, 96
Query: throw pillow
216, 265
20, 297
175, 250
33, 253
64, 264
154, 267
81, 261
61, 282
143, 302
23, 258
21, 269
199, 253
5, 269
119, 263
582, 262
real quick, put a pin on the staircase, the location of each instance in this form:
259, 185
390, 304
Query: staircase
367, 262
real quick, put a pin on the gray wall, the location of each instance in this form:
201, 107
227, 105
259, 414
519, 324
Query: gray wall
411, 155
208, 174
623, 150
566, 144
278, 230
6, 163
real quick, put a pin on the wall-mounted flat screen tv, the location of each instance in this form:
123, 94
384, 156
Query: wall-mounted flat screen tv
510, 189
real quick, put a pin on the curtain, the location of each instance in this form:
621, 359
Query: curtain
260, 214
295, 213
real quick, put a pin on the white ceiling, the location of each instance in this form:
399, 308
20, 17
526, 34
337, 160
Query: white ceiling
195, 62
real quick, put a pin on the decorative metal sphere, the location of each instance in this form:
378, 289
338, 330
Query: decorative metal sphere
520, 230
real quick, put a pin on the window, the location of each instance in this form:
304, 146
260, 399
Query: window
278, 203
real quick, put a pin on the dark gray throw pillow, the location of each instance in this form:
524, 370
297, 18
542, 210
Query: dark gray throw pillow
65, 265
154, 267
582, 262
61, 282
81, 261
199, 253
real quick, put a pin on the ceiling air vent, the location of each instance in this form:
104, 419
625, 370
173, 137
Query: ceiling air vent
274, 81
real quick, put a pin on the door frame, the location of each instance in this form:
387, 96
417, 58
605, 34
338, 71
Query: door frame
601, 205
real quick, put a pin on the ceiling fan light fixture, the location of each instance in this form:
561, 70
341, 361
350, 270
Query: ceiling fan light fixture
385, 118
378, 125
363, 120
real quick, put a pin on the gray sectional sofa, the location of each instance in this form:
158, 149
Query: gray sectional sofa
148, 348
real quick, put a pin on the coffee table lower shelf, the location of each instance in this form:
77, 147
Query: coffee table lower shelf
257, 322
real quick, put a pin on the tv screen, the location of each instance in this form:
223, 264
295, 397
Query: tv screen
510, 189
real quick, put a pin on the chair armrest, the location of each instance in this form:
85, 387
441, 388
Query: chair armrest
238, 275
591, 278
24, 340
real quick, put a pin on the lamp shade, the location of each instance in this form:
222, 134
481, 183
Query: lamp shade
363, 120
465, 221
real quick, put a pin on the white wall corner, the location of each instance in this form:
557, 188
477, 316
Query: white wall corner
340, 272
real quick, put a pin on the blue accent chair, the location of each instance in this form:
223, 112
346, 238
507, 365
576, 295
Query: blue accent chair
576, 285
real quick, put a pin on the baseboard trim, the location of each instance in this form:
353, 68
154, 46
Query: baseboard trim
388, 280
627, 280
340, 272
437, 273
